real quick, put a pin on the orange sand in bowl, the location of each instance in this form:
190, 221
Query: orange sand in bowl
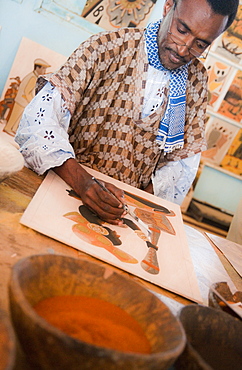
95, 321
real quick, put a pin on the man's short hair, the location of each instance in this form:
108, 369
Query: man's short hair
223, 7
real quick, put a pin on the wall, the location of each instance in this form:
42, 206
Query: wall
20, 18
218, 188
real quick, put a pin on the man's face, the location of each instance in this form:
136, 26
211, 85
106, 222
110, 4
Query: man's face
188, 28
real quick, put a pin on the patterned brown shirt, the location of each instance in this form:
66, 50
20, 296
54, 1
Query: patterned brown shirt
103, 85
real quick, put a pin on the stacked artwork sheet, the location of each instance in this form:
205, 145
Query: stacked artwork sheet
151, 244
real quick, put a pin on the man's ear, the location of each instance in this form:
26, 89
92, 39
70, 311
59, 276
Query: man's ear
167, 7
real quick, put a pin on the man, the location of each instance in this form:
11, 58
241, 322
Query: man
133, 102
24, 95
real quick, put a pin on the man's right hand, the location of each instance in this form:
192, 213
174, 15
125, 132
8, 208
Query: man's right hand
109, 208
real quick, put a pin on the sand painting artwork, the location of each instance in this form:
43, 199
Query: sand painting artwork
218, 74
110, 14
151, 243
148, 221
231, 105
219, 135
232, 160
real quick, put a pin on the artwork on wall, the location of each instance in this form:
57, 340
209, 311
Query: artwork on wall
150, 244
218, 74
231, 105
112, 14
229, 44
99, 15
19, 89
219, 136
232, 161
225, 97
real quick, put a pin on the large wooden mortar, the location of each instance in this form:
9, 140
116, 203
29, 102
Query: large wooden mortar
214, 340
37, 277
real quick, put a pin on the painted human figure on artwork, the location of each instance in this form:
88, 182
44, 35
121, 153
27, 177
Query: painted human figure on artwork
25, 93
148, 220
6, 105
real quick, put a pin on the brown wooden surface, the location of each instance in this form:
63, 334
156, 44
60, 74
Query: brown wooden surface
18, 241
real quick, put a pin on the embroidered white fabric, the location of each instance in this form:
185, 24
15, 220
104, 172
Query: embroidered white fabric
173, 181
43, 139
42, 132
154, 90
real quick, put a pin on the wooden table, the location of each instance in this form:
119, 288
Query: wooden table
18, 241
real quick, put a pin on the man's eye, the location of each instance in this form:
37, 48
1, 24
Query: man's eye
181, 31
201, 45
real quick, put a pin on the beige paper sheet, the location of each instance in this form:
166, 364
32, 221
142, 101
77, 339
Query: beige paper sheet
232, 251
51, 202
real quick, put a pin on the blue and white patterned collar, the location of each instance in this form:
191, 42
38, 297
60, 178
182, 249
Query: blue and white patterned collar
170, 135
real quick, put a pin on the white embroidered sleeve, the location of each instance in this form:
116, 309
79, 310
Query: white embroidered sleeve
173, 181
42, 133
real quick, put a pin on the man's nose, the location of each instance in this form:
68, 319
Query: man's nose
184, 50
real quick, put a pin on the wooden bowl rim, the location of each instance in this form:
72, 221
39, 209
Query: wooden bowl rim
197, 308
14, 285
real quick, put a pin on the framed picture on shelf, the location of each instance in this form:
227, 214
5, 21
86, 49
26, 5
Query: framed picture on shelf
219, 73
219, 135
231, 105
232, 161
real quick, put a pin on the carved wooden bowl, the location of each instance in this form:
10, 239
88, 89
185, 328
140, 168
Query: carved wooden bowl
7, 343
214, 339
38, 277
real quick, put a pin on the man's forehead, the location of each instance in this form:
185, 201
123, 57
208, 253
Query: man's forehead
199, 15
